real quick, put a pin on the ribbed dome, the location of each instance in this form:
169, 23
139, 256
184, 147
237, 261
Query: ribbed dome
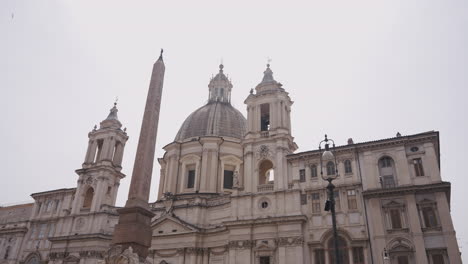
213, 119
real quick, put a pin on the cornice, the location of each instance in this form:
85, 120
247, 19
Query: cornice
51, 192
426, 188
370, 145
99, 236
268, 220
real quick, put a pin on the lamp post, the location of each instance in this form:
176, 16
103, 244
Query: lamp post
327, 156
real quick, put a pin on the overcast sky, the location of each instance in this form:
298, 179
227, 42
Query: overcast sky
360, 69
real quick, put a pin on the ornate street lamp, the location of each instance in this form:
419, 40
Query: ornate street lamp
328, 158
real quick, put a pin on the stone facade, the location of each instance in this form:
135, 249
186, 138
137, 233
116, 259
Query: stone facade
232, 190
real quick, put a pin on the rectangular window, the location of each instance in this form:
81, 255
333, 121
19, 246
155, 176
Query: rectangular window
358, 255
313, 171
402, 260
418, 167
56, 205
264, 260
315, 203
228, 179
348, 167
51, 230
429, 217
337, 200
352, 203
319, 256
42, 229
303, 199
39, 205
302, 177
191, 179
395, 218
438, 259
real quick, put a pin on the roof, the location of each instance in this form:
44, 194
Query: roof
53, 191
213, 119
15, 213
372, 143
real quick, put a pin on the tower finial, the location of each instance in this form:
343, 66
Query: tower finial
268, 62
161, 54
113, 112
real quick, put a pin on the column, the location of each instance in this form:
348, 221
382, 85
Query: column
204, 171
247, 175
413, 219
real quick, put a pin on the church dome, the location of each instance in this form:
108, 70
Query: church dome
213, 119
218, 117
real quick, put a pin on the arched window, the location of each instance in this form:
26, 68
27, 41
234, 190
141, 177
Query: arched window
88, 199
342, 250
387, 172
330, 168
347, 166
266, 172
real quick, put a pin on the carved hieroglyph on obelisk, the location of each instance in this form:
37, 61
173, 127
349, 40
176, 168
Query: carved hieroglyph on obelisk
134, 227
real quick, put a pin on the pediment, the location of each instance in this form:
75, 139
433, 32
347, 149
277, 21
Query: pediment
170, 224
426, 201
393, 204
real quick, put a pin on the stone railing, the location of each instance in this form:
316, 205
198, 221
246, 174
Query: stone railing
265, 187
265, 133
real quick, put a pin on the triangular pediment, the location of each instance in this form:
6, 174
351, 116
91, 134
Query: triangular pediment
170, 224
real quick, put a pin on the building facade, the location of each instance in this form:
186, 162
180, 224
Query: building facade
233, 190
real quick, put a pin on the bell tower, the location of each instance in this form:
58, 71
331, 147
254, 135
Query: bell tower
100, 175
268, 139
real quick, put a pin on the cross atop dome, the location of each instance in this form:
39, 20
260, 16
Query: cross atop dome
220, 87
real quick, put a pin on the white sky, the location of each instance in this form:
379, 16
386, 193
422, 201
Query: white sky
360, 69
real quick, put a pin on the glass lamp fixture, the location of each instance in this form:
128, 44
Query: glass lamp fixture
326, 157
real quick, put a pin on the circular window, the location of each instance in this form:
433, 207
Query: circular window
264, 204
414, 149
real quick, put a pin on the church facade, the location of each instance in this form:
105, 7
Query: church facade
233, 190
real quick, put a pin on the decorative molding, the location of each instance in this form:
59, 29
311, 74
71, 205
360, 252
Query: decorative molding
290, 241
241, 244
159, 253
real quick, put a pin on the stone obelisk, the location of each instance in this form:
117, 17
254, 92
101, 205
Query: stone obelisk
133, 229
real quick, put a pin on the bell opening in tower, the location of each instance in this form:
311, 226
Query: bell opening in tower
265, 117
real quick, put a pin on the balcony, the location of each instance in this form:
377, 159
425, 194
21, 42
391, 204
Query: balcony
265, 187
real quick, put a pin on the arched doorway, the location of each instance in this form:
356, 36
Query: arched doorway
342, 250
266, 172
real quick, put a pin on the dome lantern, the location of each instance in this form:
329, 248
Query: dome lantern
220, 87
